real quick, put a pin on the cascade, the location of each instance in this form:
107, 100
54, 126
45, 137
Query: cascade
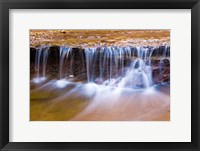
113, 66
41, 57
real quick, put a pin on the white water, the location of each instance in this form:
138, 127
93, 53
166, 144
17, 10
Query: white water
41, 57
111, 66
64, 54
122, 66
105, 102
123, 89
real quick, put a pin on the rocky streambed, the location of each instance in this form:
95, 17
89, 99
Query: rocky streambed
100, 75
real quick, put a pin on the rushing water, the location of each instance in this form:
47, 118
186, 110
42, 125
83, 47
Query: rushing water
117, 66
118, 84
101, 102
64, 54
41, 61
123, 66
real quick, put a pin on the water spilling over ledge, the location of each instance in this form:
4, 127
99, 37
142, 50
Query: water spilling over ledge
134, 67
99, 75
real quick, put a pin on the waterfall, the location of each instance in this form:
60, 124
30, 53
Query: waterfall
37, 61
41, 57
123, 66
71, 64
107, 65
64, 54
139, 73
89, 54
45, 56
165, 55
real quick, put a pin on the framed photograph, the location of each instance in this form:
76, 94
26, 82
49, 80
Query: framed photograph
91, 75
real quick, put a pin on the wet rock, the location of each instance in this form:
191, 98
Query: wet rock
164, 63
161, 75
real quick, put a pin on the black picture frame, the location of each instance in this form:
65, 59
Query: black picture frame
5, 5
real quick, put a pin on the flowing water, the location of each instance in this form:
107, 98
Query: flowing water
119, 85
41, 62
64, 54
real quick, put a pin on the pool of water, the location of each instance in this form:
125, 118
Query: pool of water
63, 100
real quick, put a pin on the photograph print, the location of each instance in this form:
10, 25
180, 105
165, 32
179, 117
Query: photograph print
99, 75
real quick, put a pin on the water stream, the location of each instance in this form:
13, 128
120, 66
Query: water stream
112, 66
118, 83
